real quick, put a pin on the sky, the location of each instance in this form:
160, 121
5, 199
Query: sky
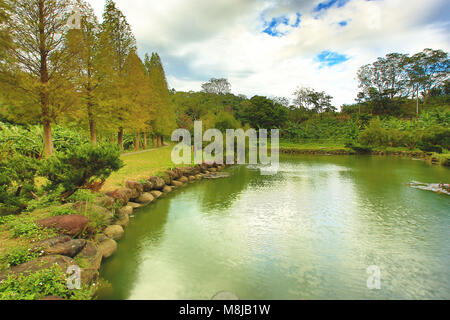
271, 47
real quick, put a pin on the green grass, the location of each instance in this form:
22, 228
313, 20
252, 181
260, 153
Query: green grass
140, 166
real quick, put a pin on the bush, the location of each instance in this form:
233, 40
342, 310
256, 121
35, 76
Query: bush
18, 256
81, 166
44, 283
17, 181
374, 135
359, 149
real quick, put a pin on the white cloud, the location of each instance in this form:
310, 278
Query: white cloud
199, 39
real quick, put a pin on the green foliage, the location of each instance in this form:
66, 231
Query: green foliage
17, 176
263, 113
18, 256
80, 166
374, 135
359, 149
24, 226
44, 283
62, 211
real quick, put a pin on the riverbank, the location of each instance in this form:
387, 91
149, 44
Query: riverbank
330, 148
83, 233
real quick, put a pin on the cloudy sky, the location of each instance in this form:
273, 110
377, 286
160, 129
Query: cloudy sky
270, 47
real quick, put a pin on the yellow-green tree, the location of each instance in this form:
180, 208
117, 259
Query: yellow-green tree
164, 119
40, 72
117, 41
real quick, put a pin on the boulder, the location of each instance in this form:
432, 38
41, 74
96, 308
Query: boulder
192, 178
212, 170
167, 189
184, 180
91, 256
145, 198
156, 194
148, 186
106, 202
71, 225
89, 276
158, 183
39, 264
125, 211
199, 177
69, 248
99, 237
89, 209
122, 196
135, 187
114, 232
107, 248
134, 205
167, 179
177, 184
123, 221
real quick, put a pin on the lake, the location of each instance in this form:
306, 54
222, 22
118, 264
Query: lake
308, 232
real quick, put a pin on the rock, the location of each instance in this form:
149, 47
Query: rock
121, 195
114, 232
156, 194
167, 179
158, 183
51, 298
71, 225
45, 244
39, 264
107, 248
106, 202
99, 237
177, 184
183, 180
91, 256
145, 198
203, 167
135, 187
192, 178
70, 248
199, 177
212, 170
86, 208
124, 221
217, 175
148, 186
125, 211
172, 174
89, 276
134, 205
167, 189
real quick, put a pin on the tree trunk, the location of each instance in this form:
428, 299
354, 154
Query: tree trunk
159, 141
48, 141
44, 77
154, 142
162, 141
145, 141
92, 130
137, 142
120, 138
90, 107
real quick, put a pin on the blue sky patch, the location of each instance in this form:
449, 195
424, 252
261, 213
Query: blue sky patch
330, 58
343, 23
328, 4
270, 27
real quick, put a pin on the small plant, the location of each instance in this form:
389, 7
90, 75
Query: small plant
62, 211
44, 283
24, 226
18, 256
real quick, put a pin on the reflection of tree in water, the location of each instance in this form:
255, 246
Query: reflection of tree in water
220, 193
147, 230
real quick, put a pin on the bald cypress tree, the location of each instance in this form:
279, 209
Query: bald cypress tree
117, 41
164, 120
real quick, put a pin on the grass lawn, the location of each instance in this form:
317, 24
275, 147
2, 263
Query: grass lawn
139, 166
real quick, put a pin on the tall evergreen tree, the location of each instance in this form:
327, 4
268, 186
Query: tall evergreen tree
118, 39
41, 69
164, 121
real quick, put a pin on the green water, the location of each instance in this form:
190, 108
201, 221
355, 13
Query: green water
309, 232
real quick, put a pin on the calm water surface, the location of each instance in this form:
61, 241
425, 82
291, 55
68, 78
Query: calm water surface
309, 232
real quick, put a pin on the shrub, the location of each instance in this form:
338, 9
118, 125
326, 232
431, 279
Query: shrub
18, 256
80, 166
359, 149
44, 283
374, 134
